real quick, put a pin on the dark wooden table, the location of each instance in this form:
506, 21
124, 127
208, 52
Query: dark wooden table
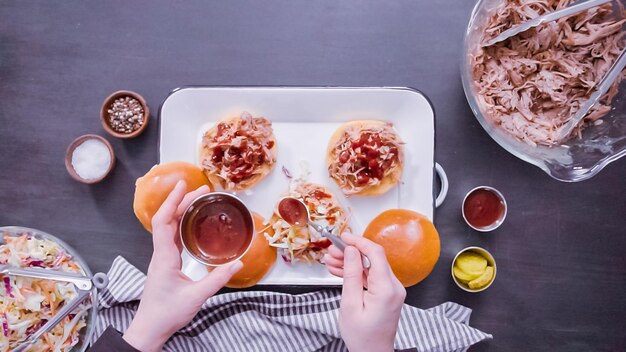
561, 274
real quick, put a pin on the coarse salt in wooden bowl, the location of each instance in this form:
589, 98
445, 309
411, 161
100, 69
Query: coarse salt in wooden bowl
105, 116
70, 163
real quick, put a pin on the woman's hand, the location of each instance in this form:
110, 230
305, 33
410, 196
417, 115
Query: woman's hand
368, 318
170, 299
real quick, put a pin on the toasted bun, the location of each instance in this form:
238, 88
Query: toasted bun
152, 188
387, 182
411, 243
258, 260
245, 184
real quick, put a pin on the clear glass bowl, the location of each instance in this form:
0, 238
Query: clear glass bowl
575, 160
87, 331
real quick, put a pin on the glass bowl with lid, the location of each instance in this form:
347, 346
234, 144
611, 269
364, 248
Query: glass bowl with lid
575, 160
90, 320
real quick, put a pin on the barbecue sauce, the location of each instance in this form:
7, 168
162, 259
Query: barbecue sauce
369, 158
217, 229
293, 212
483, 208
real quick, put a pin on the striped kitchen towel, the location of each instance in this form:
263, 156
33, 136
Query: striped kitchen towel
269, 321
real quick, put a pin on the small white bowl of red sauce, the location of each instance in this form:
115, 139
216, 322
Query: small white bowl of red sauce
484, 208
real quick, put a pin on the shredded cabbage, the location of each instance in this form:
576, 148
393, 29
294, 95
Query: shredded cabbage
27, 304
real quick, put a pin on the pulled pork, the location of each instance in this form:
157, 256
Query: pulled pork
533, 83
364, 157
238, 150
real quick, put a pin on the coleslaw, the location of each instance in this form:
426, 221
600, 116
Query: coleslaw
304, 244
26, 304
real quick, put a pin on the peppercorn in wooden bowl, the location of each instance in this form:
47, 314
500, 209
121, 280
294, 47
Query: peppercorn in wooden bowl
124, 114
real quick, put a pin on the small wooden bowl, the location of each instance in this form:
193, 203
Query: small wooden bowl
104, 114
70, 150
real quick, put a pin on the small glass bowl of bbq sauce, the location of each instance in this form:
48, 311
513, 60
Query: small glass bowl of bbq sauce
216, 229
484, 208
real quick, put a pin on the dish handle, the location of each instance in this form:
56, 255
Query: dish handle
443, 192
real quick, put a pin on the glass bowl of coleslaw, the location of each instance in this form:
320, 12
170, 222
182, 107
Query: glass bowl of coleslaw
578, 158
26, 303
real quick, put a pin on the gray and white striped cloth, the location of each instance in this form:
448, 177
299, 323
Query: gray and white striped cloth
269, 321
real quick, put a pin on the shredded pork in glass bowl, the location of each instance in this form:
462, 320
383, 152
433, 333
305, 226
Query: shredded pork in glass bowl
523, 89
26, 304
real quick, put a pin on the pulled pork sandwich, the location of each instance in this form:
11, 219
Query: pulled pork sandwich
365, 157
533, 83
303, 243
238, 152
